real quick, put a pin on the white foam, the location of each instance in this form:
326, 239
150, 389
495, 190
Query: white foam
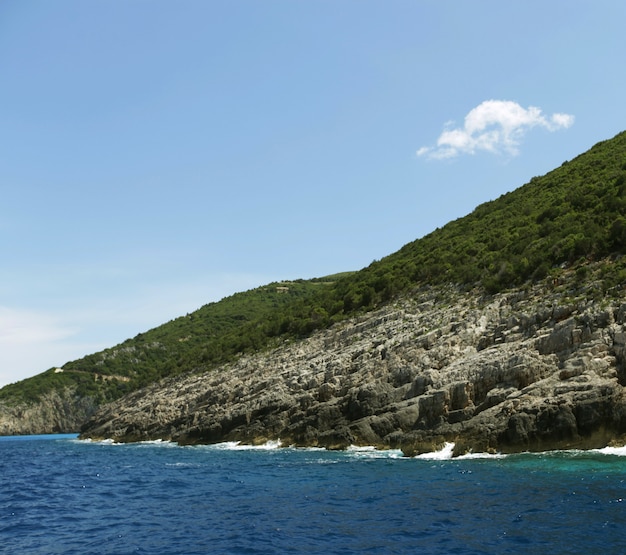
154, 441
160, 442
100, 441
480, 456
360, 448
238, 446
307, 448
619, 451
616, 451
371, 452
443, 454
109, 441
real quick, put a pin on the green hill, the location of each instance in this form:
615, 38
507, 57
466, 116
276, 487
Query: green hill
571, 216
214, 333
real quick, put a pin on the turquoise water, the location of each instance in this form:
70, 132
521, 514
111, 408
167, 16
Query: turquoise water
61, 495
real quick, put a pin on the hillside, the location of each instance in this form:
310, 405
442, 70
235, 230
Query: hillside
570, 220
214, 332
572, 214
535, 369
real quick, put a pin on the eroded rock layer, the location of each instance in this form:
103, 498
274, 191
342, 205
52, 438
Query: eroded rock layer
57, 411
534, 369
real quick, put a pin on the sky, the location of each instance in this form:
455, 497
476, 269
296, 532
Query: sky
156, 155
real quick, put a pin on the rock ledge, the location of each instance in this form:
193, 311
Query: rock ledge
533, 369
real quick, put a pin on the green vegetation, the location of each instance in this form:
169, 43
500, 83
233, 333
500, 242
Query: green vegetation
575, 212
572, 215
214, 333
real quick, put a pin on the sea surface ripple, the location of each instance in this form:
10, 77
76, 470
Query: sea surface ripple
59, 495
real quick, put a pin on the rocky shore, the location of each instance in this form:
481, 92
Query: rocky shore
533, 369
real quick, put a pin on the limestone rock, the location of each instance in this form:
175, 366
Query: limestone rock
521, 370
56, 412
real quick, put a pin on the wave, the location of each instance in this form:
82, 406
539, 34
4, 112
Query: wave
99, 441
355, 451
617, 451
467, 456
573, 453
447, 453
110, 441
238, 446
371, 452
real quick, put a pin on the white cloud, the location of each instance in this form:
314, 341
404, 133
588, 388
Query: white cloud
495, 126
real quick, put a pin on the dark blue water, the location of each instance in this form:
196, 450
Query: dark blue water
59, 495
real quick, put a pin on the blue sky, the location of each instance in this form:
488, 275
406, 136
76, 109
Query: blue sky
156, 156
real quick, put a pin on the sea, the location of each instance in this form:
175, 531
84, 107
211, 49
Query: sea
61, 495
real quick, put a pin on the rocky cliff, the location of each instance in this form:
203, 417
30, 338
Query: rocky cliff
532, 369
57, 411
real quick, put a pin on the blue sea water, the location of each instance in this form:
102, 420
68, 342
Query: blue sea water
59, 495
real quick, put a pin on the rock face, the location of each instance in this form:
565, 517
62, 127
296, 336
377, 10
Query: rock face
56, 412
535, 369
